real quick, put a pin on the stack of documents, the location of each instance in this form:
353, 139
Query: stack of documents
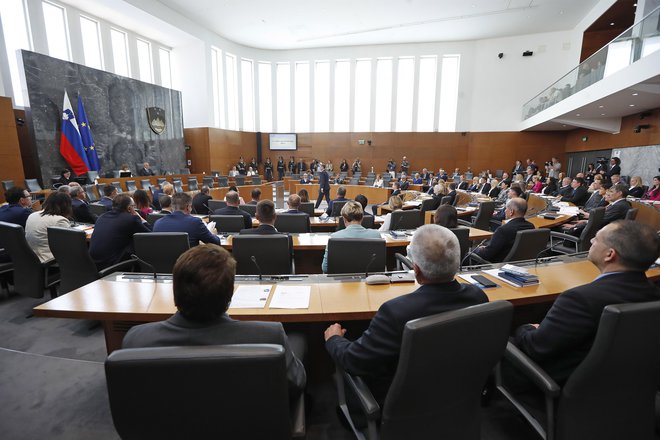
514, 275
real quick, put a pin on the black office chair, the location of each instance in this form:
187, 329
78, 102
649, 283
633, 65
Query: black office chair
216, 204
6, 185
271, 252
161, 181
528, 245
292, 223
153, 217
307, 208
223, 181
256, 180
131, 186
436, 393
353, 255
116, 185
228, 223
631, 214
367, 222
428, 205
97, 209
70, 249
336, 208
160, 249
569, 244
409, 219
155, 393
354, 181
250, 209
90, 193
611, 394
32, 185
216, 173
178, 186
403, 262
31, 276
207, 181
145, 184
463, 235
240, 180
446, 200
192, 184
483, 217
369, 181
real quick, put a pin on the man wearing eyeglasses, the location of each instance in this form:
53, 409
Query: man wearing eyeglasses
18, 207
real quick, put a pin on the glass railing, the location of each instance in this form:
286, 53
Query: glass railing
638, 41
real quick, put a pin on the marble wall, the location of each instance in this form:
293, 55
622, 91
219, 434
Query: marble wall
639, 161
116, 109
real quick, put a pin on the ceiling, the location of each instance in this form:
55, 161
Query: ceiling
295, 24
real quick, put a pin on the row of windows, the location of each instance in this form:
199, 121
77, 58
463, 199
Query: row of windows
17, 35
384, 94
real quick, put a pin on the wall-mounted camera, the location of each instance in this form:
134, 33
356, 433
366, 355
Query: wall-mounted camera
369, 142
639, 128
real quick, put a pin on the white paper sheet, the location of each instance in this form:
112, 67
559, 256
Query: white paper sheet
291, 297
250, 296
569, 210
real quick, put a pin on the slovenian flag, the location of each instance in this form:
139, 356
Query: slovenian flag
86, 136
71, 146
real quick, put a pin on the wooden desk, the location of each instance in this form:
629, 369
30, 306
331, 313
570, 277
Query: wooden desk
648, 213
373, 195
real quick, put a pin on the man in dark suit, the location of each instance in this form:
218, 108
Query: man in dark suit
435, 253
579, 195
565, 189
341, 193
233, 201
362, 200
615, 167
266, 215
294, 202
81, 212
112, 239
452, 193
595, 200
181, 221
403, 181
463, 185
616, 209
18, 207
305, 179
201, 201
256, 196
109, 193
203, 287
146, 170
324, 187
622, 251
484, 186
396, 189
502, 241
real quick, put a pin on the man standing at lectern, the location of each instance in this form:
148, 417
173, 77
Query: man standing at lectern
324, 186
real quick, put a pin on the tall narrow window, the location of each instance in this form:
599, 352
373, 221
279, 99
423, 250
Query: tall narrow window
91, 41
322, 96
362, 95
283, 97
265, 97
404, 94
144, 60
247, 92
426, 94
218, 89
342, 95
302, 97
384, 94
17, 36
120, 52
165, 67
449, 92
56, 31
232, 89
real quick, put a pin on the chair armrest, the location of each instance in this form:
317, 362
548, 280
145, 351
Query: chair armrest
367, 401
403, 261
474, 258
464, 222
563, 236
122, 265
298, 417
531, 370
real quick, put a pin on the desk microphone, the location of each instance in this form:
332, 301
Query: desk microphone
375, 279
141, 261
254, 260
474, 248
207, 208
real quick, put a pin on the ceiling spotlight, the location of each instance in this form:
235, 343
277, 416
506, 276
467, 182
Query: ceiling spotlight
602, 114
612, 24
635, 94
631, 105
528, 53
601, 106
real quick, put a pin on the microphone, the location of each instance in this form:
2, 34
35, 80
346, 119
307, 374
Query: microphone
373, 258
375, 279
141, 261
254, 260
474, 248
207, 208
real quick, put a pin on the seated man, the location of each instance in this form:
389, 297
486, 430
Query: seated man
181, 221
146, 170
266, 215
109, 193
203, 285
341, 196
363, 201
81, 212
435, 253
502, 241
565, 189
513, 192
451, 193
201, 200
294, 202
256, 196
233, 201
305, 179
112, 239
616, 209
352, 214
579, 195
622, 251
165, 204
403, 182
18, 207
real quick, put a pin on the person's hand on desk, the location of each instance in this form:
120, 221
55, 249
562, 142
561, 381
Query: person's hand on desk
334, 330
211, 227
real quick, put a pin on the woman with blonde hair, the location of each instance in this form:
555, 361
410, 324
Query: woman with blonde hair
636, 188
395, 203
440, 188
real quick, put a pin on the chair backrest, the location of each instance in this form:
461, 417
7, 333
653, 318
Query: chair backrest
369, 181
97, 209
528, 244
409, 219
227, 223
446, 200
143, 383
216, 173
92, 176
70, 249
250, 209
463, 235
161, 181
611, 394
32, 185
216, 204
292, 223
354, 181
271, 252
91, 194
353, 255
436, 392
145, 184
484, 215
428, 205
118, 186
160, 249
240, 180
29, 276
223, 181
307, 207
6, 184
256, 180
367, 222
632, 214
208, 181
130, 185
192, 184
152, 217
336, 207
593, 225
178, 185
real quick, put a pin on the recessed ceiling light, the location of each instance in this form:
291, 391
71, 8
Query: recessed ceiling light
577, 114
631, 105
602, 114
601, 106
561, 12
635, 94
612, 24
634, 4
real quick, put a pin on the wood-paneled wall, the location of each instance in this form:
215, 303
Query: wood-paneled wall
11, 165
597, 140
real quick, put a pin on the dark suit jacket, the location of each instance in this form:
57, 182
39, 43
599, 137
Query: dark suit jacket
451, 194
233, 210
616, 169
405, 185
396, 192
15, 214
567, 332
200, 203
464, 185
485, 189
324, 182
146, 172
595, 200
578, 197
178, 330
502, 240
180, 222
494, 192
564, 190
375, 354
268, 230
112, 239
81, 212
636, 192
616, 211
107, 202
